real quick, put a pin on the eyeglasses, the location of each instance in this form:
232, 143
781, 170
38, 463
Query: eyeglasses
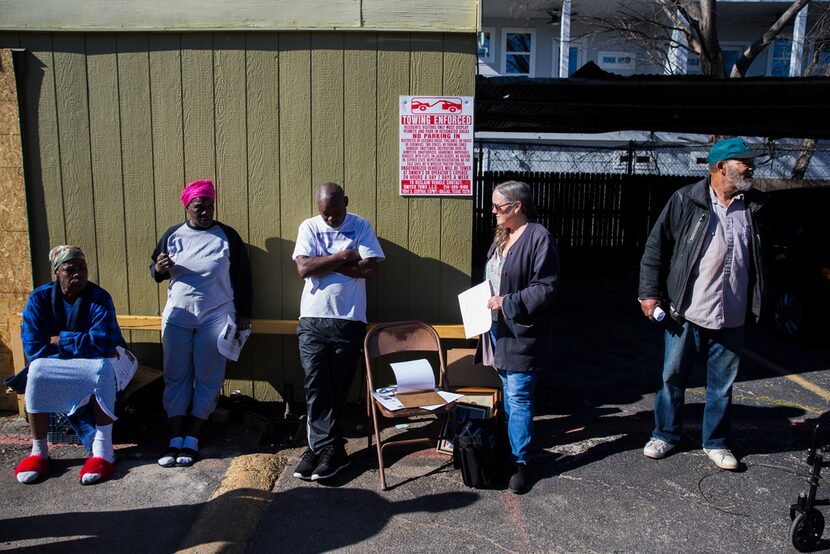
500, 207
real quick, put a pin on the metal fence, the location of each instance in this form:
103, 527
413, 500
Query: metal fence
603, 217
642, 158
600, 202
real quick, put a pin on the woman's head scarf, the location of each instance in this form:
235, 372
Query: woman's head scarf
64, 253
197, 189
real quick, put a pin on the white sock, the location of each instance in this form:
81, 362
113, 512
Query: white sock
102, 443
101, 448
40, 447
175, 443
191, 443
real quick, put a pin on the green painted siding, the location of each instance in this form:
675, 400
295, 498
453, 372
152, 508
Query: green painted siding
223, 15
117, 123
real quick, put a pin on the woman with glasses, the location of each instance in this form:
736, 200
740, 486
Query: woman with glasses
523, 270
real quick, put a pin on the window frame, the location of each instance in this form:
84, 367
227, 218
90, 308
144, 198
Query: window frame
557, 47
492, 56
732, 45
504, 53
617, 66
771, 57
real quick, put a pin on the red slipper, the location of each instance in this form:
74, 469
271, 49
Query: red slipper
97, 465
38, 464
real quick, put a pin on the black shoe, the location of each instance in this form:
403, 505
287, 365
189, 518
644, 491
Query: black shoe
187, 457
332, 460
518, 481
307, 465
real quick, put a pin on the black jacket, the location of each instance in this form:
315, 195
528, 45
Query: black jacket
675, 242
529, 279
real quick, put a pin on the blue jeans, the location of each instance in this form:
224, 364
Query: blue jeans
720, 348
518, 410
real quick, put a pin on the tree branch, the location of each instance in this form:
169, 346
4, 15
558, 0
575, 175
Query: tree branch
746, 59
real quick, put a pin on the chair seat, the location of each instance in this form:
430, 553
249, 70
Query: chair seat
413, 412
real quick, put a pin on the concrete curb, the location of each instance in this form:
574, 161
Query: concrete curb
233, 512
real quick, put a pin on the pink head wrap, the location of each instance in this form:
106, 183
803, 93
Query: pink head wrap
202, 187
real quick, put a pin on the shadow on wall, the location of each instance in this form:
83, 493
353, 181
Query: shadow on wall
272, 363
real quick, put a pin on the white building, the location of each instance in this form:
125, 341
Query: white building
525, 38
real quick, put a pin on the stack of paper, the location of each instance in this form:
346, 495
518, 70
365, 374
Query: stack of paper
231, 340
415, 388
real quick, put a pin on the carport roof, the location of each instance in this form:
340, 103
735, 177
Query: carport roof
594, 101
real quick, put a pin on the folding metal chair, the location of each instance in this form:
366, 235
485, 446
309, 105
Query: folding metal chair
392, 338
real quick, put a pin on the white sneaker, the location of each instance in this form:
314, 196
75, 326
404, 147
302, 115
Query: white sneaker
657, 448
722, 458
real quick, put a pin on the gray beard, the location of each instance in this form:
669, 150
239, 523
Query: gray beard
740, 182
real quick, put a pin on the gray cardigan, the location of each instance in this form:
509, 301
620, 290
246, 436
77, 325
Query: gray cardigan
530, 277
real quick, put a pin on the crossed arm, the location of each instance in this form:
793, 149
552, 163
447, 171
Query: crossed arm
347, 262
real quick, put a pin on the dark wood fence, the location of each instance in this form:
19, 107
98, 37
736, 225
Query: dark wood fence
595, 217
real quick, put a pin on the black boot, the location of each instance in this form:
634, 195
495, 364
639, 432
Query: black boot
518, 481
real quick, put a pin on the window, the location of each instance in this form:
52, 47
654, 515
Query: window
779, 58
822, 67
485, 45
518, 51
731, 53
615, 60
574, 59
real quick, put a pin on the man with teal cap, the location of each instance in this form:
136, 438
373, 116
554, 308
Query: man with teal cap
702, 265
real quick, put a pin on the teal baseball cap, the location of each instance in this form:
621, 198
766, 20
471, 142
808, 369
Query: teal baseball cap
731, 149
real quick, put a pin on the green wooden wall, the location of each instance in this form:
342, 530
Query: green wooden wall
115, 124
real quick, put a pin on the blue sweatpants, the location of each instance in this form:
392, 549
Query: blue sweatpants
194, 370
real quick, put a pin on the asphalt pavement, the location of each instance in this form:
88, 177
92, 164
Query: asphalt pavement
592, 490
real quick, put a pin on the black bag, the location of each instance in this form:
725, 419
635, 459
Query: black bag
474, 452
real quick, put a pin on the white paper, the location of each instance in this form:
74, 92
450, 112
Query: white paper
230, 341
124, 365
414, 376
475, 314
448, 396
386, 396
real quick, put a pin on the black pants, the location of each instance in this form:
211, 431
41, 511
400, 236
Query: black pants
329, 349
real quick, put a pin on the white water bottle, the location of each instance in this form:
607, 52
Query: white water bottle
659, 314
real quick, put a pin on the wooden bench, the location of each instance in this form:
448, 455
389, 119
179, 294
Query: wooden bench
146, 375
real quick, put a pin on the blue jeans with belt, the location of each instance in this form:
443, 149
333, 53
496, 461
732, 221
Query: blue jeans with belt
720, 349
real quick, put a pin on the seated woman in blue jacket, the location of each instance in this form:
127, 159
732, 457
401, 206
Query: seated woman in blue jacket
70, 338
523, 270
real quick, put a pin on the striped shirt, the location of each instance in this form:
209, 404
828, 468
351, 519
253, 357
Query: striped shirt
721, 276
